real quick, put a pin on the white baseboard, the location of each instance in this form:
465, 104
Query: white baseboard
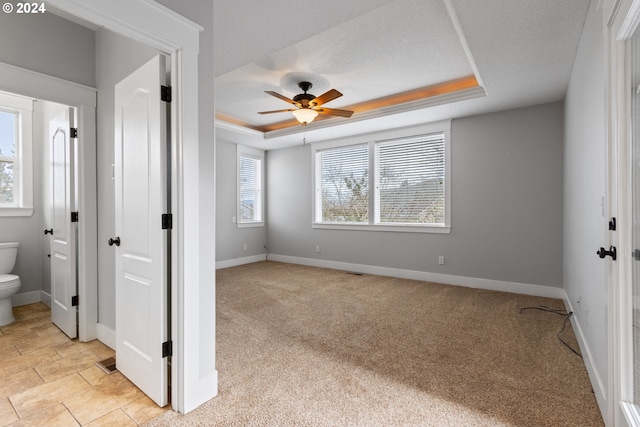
45, 298
26, 298
240, 261
596, 380
470, 282
106, 335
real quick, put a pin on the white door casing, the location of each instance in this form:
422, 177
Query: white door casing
621, 19
193, 373
141, 255
63, 239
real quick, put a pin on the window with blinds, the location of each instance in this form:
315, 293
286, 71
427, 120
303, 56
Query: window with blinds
250, 178
389, 184
410, 180
344, 182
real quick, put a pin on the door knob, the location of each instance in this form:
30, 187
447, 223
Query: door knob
115, 241
602, 252
49, 231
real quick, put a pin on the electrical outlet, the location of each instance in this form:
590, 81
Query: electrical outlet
441, 260
318, 249
244, 247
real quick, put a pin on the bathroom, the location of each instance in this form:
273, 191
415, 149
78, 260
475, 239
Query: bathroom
26, 226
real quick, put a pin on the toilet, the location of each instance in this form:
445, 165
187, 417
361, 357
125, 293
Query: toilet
9, 283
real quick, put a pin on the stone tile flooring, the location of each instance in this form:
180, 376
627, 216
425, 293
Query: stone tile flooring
47, 379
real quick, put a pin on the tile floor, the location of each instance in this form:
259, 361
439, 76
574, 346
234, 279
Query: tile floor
47, 379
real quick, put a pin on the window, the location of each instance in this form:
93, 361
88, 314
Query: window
388, 184
250, 179
16, 180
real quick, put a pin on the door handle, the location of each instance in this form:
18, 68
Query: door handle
115, 241
602, 252
49, 231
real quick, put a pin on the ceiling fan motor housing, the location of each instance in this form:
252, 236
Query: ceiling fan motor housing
304, 98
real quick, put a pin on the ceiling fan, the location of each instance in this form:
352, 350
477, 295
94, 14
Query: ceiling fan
308, 106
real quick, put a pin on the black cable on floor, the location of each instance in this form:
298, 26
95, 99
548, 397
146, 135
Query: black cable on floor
559, 312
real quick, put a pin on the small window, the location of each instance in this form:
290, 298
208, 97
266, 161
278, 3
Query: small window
250, 184
16, 192
375, 182
9, 165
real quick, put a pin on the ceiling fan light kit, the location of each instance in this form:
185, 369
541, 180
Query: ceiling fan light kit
308, 105
305, 115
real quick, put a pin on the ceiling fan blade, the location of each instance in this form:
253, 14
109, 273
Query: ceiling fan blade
277, 111
326, 97
284, 98
334, 112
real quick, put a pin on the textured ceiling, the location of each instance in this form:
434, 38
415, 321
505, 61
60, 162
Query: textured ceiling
520, 53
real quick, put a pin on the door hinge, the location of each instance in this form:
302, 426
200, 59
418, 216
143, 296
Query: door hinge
167, 221
73, 132
74, 301
167, 348
74, 216
636, 254
165, 93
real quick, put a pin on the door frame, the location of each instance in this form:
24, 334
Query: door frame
621, 20
39, 86
194, 379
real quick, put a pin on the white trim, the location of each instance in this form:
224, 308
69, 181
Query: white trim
599, 388
631, 413
399, 228
463, 40
45, 298
25, 298
240, 261
32, 297
462, 95
106, 335
469, 282
16, 211
621, 18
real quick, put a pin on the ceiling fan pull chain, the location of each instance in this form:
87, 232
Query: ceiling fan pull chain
304, 136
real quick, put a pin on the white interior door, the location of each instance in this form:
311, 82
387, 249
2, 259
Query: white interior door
63, 231
140, 241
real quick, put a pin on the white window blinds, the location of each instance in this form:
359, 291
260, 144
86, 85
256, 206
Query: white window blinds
250, 189
410, 180
344, 183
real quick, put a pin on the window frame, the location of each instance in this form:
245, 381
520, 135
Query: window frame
372, 139
23, 161
243, 151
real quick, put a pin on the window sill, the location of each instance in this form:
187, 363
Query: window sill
16, 211
404, 228
250, 224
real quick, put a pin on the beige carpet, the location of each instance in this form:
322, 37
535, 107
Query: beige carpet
305, 346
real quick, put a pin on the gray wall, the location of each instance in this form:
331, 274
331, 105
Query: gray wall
116, 57
229, 238
506, 205
48, 44
585, 226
